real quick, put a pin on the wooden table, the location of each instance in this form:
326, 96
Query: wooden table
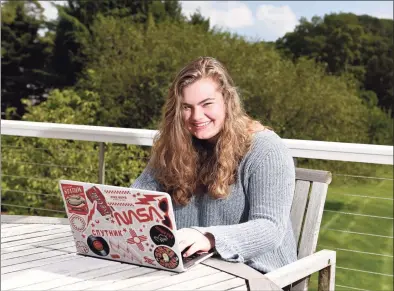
38, 253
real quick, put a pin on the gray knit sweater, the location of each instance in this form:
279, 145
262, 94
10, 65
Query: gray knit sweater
252, 225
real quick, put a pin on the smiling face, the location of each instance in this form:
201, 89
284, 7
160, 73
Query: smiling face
203, 109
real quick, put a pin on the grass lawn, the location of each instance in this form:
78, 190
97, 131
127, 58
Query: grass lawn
364, 244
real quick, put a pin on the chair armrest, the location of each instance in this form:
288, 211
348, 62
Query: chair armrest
302, 268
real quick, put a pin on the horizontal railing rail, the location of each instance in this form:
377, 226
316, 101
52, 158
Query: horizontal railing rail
351, 152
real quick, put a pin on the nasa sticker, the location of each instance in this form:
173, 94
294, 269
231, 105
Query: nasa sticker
161, 235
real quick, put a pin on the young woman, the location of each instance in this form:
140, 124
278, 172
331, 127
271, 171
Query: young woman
231, 179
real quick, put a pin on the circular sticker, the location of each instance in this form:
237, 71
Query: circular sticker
98, 245
166, 257
82, 248
161, 235
77, 223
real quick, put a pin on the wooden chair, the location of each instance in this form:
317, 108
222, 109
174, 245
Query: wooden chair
306, 215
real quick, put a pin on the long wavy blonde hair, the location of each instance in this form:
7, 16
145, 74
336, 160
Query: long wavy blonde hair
182, 164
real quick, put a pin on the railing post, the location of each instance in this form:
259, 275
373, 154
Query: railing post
101, 163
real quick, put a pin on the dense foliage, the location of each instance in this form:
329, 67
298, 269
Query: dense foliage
359, 45
24, 55
33, 166
110, 63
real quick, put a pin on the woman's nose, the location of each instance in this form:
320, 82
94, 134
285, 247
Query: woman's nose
197, 114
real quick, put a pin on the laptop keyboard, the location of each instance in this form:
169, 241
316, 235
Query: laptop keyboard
189, 261
189, 258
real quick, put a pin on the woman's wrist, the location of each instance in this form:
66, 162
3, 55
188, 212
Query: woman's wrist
211, 239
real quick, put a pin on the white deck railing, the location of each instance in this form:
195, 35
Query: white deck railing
351, 152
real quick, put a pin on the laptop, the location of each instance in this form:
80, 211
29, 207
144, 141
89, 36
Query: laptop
128, 225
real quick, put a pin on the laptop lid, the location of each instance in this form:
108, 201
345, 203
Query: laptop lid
118, 223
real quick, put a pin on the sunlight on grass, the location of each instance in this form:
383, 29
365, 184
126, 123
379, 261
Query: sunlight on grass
362, 243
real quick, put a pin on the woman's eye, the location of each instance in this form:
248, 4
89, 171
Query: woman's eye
185, 107
207, 104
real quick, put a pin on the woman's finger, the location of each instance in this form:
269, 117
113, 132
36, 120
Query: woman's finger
183, 244
193, 248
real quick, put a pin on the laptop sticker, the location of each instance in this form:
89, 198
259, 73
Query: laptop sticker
136, 239
75, 199
125, 251
98, 245
82, 247
166, 257
77, 223
163, 205
94, 194
161, 235
149, 261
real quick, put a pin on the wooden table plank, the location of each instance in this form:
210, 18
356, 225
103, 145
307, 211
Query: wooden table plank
198, 271
34, 264
133, 282
5, 226
41, 256
37, 257
27, 252
140, 274
71, 271
200, 282
36, 239
8, 228
10, 280
25, 236
43, 245
225, 285
32, 228
105, 278
22, 219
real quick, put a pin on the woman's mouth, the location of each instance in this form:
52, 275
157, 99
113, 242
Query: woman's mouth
201, 125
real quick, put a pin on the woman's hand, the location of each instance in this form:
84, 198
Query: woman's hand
195, 240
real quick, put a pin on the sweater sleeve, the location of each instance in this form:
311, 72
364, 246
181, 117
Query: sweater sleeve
146, 181
270, 192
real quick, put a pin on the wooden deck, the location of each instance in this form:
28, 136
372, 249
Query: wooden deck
38, 253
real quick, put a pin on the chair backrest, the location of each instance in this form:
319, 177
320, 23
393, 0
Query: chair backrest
307, 211
307, 208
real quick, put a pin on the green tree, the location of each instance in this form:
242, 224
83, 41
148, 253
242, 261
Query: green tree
24, 55
76, 18
31, 167
125, 80
132, 69
360, 45
198, 19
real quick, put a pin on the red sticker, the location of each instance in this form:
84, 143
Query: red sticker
77, 223
166, 257
94, 194
75, 199
149, 261
82, 247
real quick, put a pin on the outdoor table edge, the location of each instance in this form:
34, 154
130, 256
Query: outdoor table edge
237, 269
